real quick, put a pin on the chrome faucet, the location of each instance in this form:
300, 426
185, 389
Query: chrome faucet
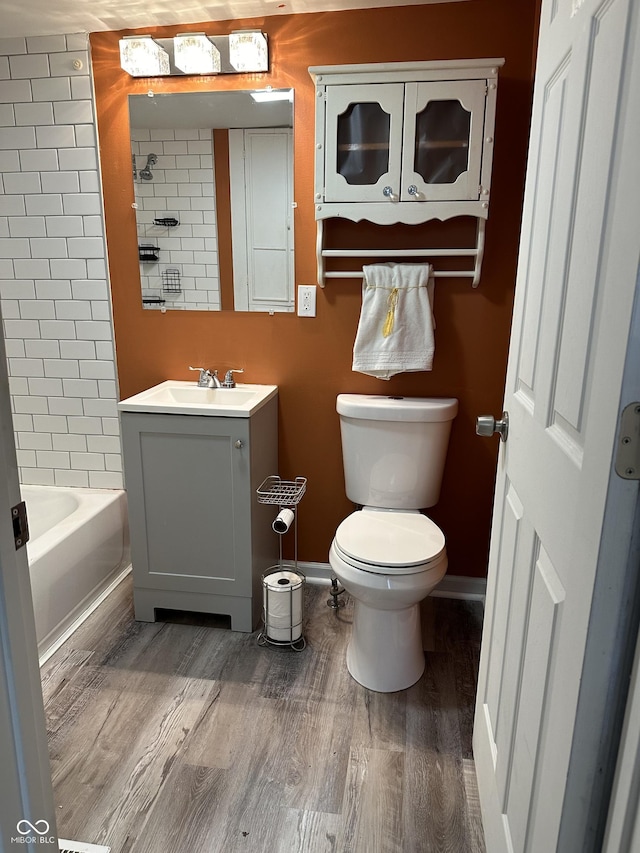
206, 379
229, 381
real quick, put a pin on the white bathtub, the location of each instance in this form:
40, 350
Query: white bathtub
77, 550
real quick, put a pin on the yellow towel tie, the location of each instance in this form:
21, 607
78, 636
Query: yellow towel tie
392, 301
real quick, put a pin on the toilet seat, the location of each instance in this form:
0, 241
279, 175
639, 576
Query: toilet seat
389, 541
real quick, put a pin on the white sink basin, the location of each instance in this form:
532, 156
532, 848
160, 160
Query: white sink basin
185, 398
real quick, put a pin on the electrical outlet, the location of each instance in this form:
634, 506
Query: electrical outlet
306, 300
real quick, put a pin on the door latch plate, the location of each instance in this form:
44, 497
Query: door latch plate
20, 524
628, 453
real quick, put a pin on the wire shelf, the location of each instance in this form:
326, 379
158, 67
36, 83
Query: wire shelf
148, 254
171, 280
281, 493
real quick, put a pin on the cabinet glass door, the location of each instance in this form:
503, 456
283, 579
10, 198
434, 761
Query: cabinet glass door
363, 142
444, 124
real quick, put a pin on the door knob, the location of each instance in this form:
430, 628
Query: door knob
487, 425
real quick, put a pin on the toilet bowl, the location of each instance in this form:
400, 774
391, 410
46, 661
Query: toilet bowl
388, 561
388, 555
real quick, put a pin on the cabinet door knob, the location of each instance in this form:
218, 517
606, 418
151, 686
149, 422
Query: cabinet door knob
413, 190
238, 445
387, 192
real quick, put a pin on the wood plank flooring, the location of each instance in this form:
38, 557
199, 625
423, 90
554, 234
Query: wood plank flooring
181, 736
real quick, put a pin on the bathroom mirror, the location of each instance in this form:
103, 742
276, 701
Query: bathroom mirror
213, 185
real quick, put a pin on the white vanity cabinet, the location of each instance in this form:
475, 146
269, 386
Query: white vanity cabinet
404, 142
200, 541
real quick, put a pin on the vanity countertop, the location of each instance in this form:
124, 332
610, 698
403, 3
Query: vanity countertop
176, 397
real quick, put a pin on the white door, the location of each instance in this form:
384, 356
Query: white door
576, 278
26, 798
261, 175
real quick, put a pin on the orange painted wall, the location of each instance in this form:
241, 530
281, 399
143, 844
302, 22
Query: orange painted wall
310, 359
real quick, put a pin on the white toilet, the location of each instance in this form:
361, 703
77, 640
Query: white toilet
388, 555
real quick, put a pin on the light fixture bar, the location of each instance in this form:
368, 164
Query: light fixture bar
242, 52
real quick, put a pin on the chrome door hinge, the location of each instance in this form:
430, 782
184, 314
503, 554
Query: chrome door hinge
20, 524
628, 452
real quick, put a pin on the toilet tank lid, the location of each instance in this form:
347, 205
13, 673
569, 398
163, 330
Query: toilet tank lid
391, 408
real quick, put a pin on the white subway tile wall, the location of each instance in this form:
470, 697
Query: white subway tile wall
53, 276
182, 188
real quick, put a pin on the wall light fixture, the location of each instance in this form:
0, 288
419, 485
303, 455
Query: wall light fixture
245, 52
248, 51
194, 53
141, 56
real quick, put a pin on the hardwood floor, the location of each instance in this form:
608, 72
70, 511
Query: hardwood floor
173, 737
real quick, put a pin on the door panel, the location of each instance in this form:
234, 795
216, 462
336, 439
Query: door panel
574, 297
511, 521
508, 701
544, 606
262, 218
268, 155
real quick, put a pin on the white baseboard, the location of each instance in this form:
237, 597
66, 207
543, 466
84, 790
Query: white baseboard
319, 573
460, 586
451, 586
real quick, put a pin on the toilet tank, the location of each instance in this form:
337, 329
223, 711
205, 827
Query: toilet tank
394, 448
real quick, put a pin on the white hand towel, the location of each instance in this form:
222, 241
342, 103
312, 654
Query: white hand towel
395, 331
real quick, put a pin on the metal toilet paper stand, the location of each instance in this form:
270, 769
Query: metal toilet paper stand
286, 495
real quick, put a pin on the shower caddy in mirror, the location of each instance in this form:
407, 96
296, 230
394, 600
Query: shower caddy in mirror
171, 280
148, 254
404, 142
283, 584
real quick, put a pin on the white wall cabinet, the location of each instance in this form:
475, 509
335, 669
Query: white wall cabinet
404, 142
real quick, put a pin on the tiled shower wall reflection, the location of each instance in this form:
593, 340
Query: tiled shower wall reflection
181, 187
53, 279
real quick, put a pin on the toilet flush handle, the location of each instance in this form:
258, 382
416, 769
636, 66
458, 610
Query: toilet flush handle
487, 425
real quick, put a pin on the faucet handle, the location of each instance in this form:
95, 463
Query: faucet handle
229, 381
205, 376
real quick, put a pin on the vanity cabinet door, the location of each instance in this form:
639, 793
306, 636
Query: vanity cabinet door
189, 497
199, 539
363, 141
443, 139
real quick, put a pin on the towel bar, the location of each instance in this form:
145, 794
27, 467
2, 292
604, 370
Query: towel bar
435, 274
476, 252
